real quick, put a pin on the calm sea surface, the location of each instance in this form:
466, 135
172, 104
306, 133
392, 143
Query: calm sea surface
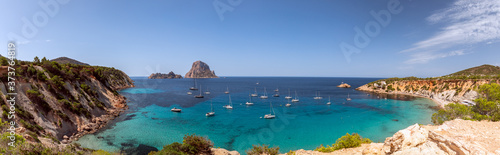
149, 124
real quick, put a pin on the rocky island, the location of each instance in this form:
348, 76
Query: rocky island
170, 75
344, 85
200, 70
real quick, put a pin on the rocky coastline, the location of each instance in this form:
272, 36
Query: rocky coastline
442, 92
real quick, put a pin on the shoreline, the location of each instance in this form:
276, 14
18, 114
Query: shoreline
439, 103
119, 104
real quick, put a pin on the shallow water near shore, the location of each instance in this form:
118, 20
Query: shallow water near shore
149, 124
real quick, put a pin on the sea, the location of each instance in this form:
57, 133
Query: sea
149, 124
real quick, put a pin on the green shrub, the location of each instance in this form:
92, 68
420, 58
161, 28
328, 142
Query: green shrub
346, 141
264, 149
191, 145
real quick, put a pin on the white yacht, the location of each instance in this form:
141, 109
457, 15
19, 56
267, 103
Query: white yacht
255, 94
288, 97
211, 113
348, 98
249, 102
175, 110
271, 114
230, 105
227, 91
328, 103
296, 99
265, 94
318, 97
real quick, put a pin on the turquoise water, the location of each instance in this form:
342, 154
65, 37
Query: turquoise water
149, 124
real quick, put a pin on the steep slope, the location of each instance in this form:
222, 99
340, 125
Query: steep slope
64, 101
66, 60
200, 70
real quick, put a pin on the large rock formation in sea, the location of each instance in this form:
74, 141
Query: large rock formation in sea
170, 75
200, 70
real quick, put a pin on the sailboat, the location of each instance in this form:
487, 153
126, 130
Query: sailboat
276, 95
194, 86
348, 98
288, 104
296, 99
211, 113
255, 94
318, 97
288, 97
189, 93
227, 91
230, 105
265, 94
207, 92
328, 103
199, 96
277, 90
250, 102
271, 112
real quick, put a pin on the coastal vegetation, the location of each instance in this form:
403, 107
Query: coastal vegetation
60, 95
191, 144
487, 107
263, 149
346, 141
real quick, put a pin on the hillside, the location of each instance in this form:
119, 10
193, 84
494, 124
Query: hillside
479, 70
58, 103
455, 87
66, 60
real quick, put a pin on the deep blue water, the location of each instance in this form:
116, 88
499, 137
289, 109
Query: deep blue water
305, 125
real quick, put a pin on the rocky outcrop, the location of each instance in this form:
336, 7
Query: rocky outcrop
200, 70
453, 137
441, 91
66, 102
344, 85
170, 75
219, 151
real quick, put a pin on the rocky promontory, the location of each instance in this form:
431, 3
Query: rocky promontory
200, 70
453, 137
170, 75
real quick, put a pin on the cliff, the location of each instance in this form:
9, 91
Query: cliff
454, 87
170, 75
64, 101
453, 137
441, 91
200, 70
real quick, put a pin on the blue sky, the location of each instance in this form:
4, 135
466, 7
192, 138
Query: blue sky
260, 37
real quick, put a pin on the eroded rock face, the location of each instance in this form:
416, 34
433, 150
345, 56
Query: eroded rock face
200, 70
457, 137
170, 75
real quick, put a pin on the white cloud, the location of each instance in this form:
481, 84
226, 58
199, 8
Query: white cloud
467, 22
424, 57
